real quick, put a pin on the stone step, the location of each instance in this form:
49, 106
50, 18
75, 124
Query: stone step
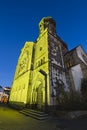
35, 114
34, 111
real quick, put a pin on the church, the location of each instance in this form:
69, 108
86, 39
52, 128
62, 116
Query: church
46, 69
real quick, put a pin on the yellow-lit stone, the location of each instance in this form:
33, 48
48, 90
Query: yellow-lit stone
22, 75
40, 69
28, 86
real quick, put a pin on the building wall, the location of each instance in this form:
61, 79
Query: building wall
1, 95
58, 79
40, 64
81, 54
71, 58
4, 94
28, 80
20, 83
84, 70
46, 69
77, 76
40, 68
76, 63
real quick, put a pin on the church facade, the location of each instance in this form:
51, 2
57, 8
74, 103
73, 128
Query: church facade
46, 69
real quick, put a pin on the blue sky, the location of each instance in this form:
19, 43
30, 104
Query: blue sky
19, 23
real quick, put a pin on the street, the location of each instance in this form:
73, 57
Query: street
11, 119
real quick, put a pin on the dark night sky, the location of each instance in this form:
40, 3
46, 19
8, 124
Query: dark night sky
19, 23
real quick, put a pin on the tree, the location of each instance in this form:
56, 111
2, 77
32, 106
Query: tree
84, 88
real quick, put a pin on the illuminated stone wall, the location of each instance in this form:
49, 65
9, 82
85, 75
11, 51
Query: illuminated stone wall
21, 80
37, 89
40, 69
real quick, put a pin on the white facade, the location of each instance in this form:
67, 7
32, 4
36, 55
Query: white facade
81, 54
1, 93
77, 76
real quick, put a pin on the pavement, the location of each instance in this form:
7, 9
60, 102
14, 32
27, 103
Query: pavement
71, 114
11, 119
76, 114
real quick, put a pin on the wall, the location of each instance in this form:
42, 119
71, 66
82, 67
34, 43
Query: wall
81, 54
20, 85
77, 76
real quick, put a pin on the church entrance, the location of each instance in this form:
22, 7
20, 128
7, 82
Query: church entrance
38, 93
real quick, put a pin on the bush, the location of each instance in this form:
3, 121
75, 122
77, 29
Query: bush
84, 89
72, 102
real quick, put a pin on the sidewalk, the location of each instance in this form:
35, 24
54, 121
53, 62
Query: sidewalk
71, 114
76, 114
11, 119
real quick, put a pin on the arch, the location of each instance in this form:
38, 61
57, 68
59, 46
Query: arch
38, 91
